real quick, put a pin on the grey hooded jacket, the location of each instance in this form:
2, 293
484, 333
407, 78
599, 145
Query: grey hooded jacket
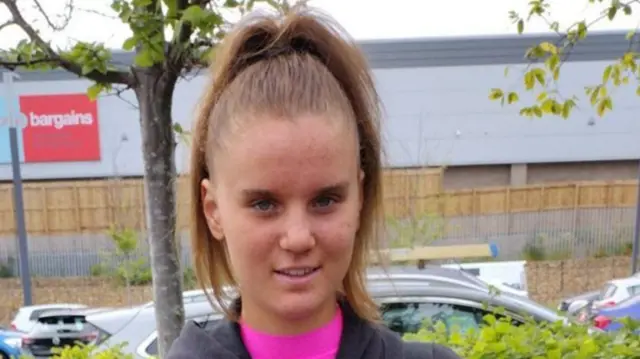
360, 340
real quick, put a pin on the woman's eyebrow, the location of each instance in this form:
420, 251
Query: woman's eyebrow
260, 192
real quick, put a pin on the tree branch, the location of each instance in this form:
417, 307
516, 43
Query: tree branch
6, 24
175, 55
14, 65
66, 17
110, 76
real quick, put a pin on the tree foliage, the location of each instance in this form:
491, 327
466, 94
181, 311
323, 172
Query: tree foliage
175, 36
546, 60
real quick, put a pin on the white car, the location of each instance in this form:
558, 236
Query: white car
27, 317
617, 290
506, 287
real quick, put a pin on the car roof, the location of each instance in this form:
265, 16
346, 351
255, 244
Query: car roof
73, 312
52, 305
429, 273
625, 282
403, 289
112, 321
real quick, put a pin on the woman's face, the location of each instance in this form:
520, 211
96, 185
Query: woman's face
285, 199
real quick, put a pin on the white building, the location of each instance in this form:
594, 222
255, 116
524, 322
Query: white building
438, 113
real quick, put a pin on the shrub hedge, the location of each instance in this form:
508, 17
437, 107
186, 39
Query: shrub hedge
499, 339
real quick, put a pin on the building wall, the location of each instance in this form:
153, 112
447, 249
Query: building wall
461, 177
436, 114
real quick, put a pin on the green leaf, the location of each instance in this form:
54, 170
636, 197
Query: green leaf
496, 94
520, 26
549, 47
552, 62
129, 44
541, 97
604, 105
607, 74
537, 111
94, 91
611, 13
86, 69
144, 58
529, 80
539, 75
178, 128
193, 14
582, 30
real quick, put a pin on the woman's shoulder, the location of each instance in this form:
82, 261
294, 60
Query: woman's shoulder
217, 339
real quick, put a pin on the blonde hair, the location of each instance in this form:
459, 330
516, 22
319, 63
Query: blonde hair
287, 65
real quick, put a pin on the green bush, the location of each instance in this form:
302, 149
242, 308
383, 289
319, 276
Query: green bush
89, 352
499, 339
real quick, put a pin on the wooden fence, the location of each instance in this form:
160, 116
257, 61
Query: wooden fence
93, 206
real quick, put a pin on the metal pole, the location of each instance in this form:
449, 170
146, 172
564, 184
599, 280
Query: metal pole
18, 201
636, 231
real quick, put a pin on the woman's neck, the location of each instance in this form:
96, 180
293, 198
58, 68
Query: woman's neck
320, 343
273, 323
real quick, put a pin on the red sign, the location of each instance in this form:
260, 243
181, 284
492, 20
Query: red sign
60, 128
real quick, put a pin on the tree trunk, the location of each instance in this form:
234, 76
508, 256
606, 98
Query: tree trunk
155, 94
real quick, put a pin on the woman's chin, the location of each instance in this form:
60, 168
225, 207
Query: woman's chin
300, 307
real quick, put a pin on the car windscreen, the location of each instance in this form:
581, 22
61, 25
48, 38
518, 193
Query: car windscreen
60, 324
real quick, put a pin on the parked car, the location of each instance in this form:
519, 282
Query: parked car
405, 305
55, 329
405, 301
505, 287
136, 326
433, 274
26, 317
608, 318
615, 291
574, 304
10, 342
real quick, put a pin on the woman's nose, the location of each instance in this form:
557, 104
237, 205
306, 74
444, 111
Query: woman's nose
298, 238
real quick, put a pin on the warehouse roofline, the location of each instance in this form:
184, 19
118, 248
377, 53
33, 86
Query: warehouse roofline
440, 51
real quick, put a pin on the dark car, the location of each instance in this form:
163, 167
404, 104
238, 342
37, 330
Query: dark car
57, 329
406, 304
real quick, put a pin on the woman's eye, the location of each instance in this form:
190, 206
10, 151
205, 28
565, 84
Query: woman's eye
325, 201
263, 205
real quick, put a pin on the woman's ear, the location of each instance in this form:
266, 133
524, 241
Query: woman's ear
210, 209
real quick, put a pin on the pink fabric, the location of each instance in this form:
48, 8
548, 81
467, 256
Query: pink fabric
319, 344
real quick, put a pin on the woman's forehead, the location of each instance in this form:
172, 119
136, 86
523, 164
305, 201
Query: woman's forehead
288, 152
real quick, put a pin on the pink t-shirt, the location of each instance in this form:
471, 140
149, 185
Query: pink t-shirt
321, 343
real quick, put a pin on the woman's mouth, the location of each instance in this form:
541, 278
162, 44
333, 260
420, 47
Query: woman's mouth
297, 272
297, 277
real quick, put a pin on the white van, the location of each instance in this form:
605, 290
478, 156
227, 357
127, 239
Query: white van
505, 276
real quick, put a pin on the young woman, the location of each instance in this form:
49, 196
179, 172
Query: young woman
286, 190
